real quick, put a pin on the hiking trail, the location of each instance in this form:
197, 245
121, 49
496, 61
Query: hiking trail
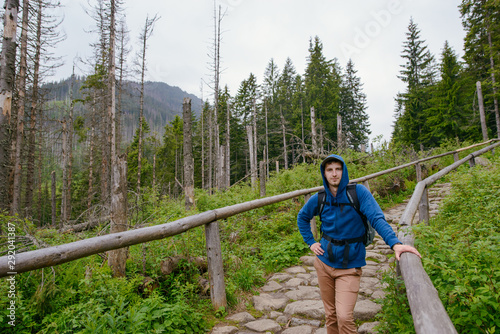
290, 301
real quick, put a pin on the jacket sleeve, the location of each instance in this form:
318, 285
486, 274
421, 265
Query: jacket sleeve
375, 215
308, 211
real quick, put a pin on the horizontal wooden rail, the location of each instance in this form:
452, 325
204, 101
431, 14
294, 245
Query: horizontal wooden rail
429, 314
56, 255
51, 256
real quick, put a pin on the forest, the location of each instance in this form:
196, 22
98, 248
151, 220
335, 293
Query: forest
63, 144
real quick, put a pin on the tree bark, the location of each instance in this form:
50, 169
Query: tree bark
188, 155
7, 77
253, 173
482, 117
118, 258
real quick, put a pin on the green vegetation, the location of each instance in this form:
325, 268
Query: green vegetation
82, 296
460, 254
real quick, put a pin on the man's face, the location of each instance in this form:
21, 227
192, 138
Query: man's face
333, 173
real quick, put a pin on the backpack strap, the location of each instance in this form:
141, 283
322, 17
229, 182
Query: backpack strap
352, 195
321, 201
353, 198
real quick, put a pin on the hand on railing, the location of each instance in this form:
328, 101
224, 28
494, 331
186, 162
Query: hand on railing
399, 249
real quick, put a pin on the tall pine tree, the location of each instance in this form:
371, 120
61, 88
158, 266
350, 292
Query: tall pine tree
418, 74
355, 125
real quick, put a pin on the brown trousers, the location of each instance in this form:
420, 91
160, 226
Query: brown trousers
339, 291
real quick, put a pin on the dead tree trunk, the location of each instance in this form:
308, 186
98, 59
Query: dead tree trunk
254, 124
253, 174
64, 192
188, 155
70, 147
482, 117
21, 88
339, 133
267, 140
90, 191
53, 201
228, 151
118, 258
144, 36
283, 130
7, 77
33, 114
313, 132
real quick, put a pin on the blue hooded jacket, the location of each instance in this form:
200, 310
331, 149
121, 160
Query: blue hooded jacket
343, 222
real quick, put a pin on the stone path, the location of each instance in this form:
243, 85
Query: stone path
290, 302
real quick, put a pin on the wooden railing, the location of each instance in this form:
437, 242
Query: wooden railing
411, 267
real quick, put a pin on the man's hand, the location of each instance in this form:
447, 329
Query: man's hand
316, 248
399, 249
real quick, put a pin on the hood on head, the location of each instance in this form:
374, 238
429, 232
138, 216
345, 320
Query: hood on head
344, 181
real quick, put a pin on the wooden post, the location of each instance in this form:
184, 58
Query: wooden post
423, 208
481, 111
472, 162
339, 133
367, 185
418, 170
215, 266
53, 188
314, 226
117, 258
455, 157
277, 166
262, 178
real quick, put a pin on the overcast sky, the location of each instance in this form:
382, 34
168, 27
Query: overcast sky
370, 32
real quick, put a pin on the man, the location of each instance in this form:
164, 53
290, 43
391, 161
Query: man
339, 269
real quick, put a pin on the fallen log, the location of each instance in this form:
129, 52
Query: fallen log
84, 226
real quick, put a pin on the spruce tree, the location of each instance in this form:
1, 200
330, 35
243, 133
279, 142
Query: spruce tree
355, 124
447, 116
322, 86
482, 49
418, 74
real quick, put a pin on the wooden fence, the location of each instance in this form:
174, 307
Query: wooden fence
428, 312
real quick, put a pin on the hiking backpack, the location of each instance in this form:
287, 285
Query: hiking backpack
354, 202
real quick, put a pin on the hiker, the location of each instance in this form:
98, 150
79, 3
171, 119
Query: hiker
341, 252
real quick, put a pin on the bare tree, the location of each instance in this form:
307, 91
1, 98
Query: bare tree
21, 88
122, 51
144, 36
313, 132
188, 155
283, 129
33, 111
7, 77
45, 35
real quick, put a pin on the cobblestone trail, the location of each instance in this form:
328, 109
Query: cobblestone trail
290, 301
